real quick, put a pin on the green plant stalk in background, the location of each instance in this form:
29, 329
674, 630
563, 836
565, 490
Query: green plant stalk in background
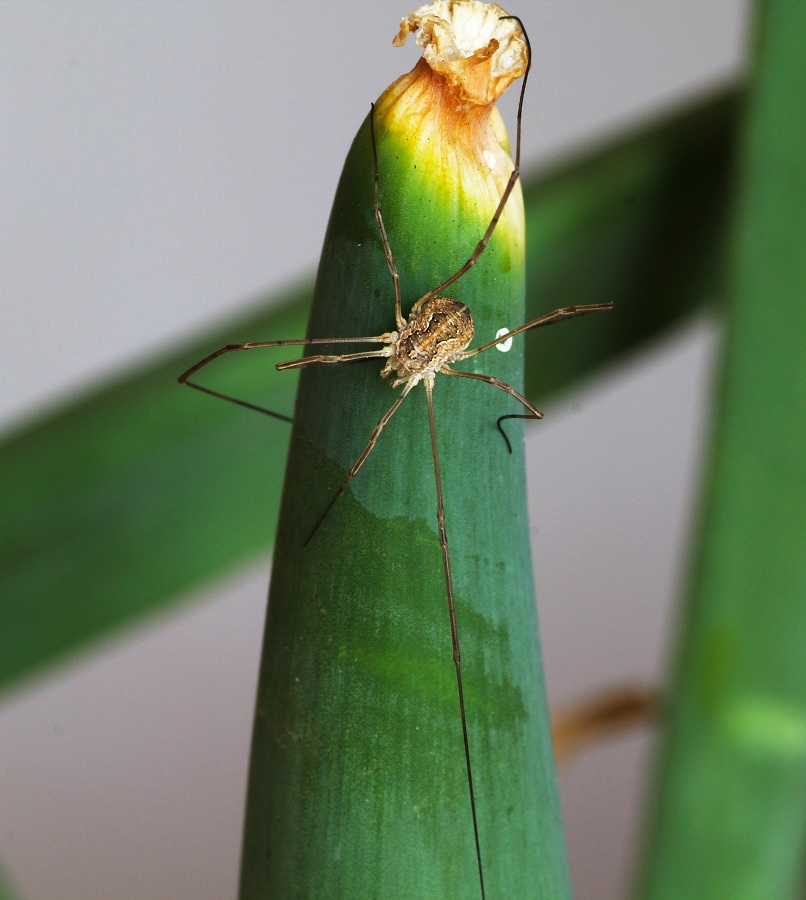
358, 785
124, 499
730, 818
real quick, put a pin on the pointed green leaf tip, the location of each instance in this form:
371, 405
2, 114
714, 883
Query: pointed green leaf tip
358, 786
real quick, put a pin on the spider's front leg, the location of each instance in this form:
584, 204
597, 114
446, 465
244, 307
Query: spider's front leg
322, 359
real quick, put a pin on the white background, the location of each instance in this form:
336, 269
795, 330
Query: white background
161, 164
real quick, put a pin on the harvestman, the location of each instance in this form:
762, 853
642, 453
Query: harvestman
436, 334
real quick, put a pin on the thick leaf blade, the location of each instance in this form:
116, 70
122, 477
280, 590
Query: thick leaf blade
358, 784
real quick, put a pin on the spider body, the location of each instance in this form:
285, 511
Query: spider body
436, 333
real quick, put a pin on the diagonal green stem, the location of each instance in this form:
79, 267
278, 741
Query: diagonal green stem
129, 496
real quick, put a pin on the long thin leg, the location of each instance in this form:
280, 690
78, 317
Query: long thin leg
324, 360
184, 378
559, 315
513, 178
261, 409
390, 260
534, 412
260, 345
428, 381
523, 89
373, 439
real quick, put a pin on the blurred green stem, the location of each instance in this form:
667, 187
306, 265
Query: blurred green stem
730, 817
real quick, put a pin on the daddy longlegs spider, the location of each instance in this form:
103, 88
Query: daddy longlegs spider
435, 335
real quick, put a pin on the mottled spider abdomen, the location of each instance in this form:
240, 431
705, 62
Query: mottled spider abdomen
438, 330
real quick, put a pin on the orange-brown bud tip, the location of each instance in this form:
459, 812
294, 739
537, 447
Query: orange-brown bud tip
472, 44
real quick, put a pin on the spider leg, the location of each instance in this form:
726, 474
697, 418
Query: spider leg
559, 315
184, 378
534, 412
513, 178
373, 439
390, 260
324, 360
428, 381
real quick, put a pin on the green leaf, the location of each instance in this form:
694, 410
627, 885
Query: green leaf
358, 783
730, 819
129, 496
122, 500
641, 224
